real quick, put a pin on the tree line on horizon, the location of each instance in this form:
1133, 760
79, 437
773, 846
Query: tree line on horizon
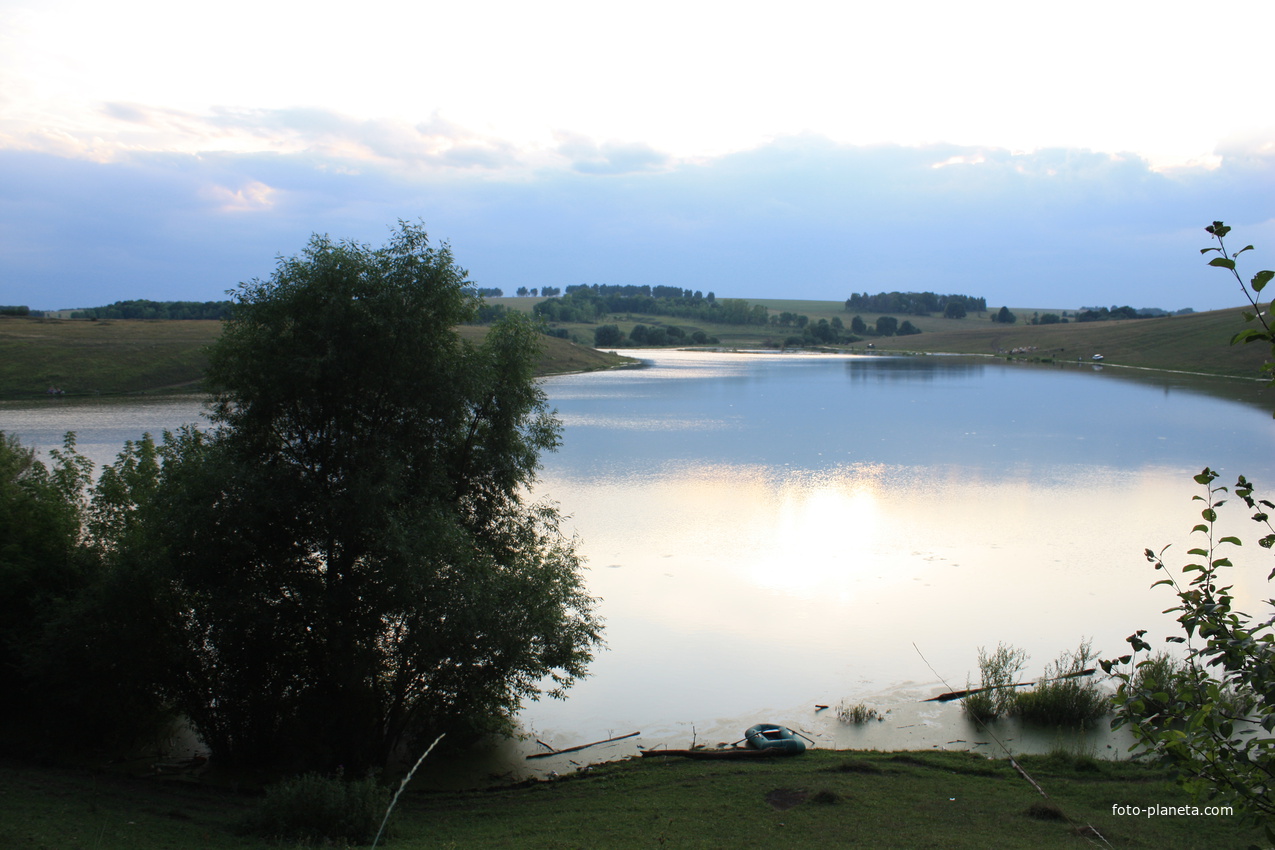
915, 303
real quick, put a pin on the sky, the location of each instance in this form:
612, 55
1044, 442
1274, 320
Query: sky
1042, 154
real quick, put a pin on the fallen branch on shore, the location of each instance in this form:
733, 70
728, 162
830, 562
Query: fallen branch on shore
580, 747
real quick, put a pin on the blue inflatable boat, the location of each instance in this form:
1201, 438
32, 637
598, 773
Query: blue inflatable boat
775, 738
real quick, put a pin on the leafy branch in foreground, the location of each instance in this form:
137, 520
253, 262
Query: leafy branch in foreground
1212, 719
1211, 715
1258, 283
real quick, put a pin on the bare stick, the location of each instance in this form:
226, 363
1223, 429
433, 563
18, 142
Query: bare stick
401, 786
582, 746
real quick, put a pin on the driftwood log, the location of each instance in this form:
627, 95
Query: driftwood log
948, 697
581, 747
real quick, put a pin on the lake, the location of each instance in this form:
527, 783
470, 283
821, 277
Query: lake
770, 533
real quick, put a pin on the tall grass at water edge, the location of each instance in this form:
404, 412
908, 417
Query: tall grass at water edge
1066, 696
999, 671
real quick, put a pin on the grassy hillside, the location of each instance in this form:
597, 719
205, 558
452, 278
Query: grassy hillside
106, 356
1198, 342
83, 357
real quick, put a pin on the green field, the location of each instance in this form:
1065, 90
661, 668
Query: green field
821, 799
110, 356
85, 357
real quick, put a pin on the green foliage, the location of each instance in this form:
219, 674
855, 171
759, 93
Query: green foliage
1258, 282
319, 810
592, 303
916, 304
1212, 717
347, 563
1109, 314
607, 336
41, 569
1004, 316
998, 674
887, 326
143, 309
77, 630
1066, 696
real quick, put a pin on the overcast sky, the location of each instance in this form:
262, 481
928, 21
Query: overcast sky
1038, 154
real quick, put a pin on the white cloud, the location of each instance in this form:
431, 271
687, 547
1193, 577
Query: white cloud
253, 196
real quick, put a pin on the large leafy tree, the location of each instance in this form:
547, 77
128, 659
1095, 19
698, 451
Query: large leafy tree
351, 551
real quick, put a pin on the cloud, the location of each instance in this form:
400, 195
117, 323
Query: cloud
251, 197
589, 157
345, 143
800, 217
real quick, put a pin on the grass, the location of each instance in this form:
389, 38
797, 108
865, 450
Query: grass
821, 799
314, 809
83, 357
115, 357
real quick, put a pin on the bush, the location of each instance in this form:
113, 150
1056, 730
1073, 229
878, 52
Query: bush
607, 335
1160, 684
1066, 696
315, 809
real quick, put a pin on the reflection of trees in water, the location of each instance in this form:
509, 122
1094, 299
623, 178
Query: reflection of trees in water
927, 368
885, 368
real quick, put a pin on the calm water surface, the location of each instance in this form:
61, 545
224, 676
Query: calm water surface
770, 533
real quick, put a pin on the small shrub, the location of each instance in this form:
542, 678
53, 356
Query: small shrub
998, 672
315, 809
1065, 696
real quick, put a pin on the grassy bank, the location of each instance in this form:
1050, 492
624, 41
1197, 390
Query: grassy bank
1197, 342
112, 357
821, 799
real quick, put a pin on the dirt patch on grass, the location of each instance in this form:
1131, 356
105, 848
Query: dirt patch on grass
783, 799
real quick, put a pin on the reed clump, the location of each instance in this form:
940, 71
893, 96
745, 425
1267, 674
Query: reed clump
858, 713
1068, 694
998, 673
